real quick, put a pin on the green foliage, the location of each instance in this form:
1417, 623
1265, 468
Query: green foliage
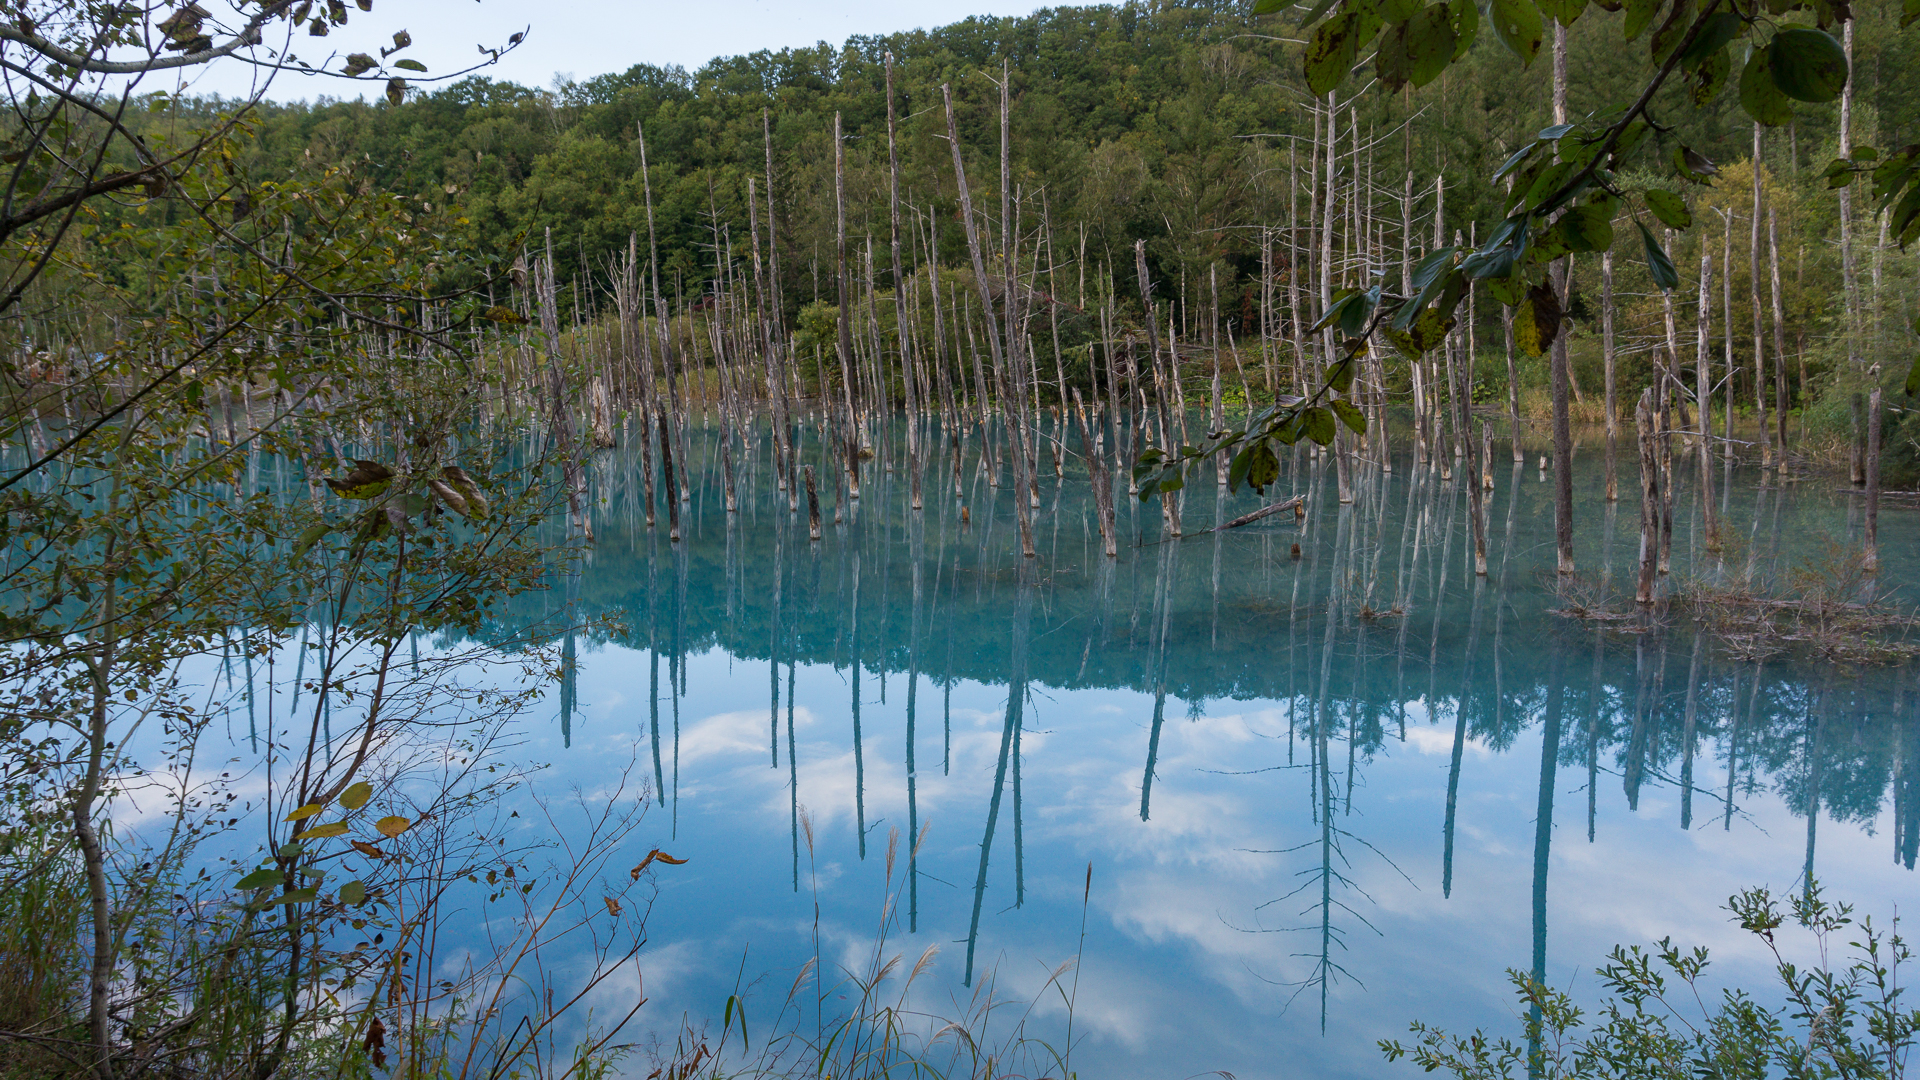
1841, 1018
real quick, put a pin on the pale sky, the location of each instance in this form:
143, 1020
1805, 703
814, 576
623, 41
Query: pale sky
586, 37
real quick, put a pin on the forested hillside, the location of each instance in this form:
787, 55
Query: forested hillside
1188, 126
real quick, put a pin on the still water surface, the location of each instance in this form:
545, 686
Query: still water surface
1318, 797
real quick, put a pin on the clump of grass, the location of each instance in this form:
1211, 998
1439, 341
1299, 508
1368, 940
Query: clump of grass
882, 1032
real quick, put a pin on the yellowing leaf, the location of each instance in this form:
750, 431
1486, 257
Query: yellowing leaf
356, 796
392, 825
1536, 321
321, 832
304, 812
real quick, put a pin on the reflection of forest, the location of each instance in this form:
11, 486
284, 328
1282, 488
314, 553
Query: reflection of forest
1233, 616
1377, 624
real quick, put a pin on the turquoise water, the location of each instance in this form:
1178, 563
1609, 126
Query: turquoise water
1318, 796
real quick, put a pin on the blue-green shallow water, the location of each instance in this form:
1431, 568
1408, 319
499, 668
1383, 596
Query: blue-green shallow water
1310, 818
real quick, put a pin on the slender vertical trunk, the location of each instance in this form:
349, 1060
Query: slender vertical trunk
1871, 559
1703, 396
850, 440
1852, 334
1169, 501
1562, 377
1607, 359
1759, 333
1779, 333
986, 299
1643, 424
93, 856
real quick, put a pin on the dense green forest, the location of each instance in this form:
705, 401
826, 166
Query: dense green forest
1188, 126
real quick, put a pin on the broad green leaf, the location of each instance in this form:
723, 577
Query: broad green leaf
304, 812
1808, 65
1671, 209
1429, 43
1465, 17
1707, 78
1672, 31
1263, 468
1391, 64
1587, 228
410, 65
1354, 319
1319, 424
1658, 264
392, 825
1563, 12
1513, 162
353, 893
271, 875
321, 832
396, 91
1331, 52
295, 896
357, 795
1403, 342
1350, 416
1398, 11
1640, 15
1507, 290
1430, 329
411, 504
1340, 376
313, 535
1761, 99
1909, 13
1268, 7
358, 64
1714, 34
1429, 269
1905, 222
1518, 25
1237, 468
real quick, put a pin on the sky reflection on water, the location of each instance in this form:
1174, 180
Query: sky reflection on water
1310, 818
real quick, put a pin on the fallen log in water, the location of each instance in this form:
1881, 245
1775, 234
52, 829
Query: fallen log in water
1295, 503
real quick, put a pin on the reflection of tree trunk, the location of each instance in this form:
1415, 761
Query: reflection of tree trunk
915, 555
1016, 696
773, 646
1733, 744
1543, 833
1593, 730
653, 667
859, 756
1634, 767
1906, 789
677, 670
1816, 747
1460, 737
1157, 666
1687, 734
